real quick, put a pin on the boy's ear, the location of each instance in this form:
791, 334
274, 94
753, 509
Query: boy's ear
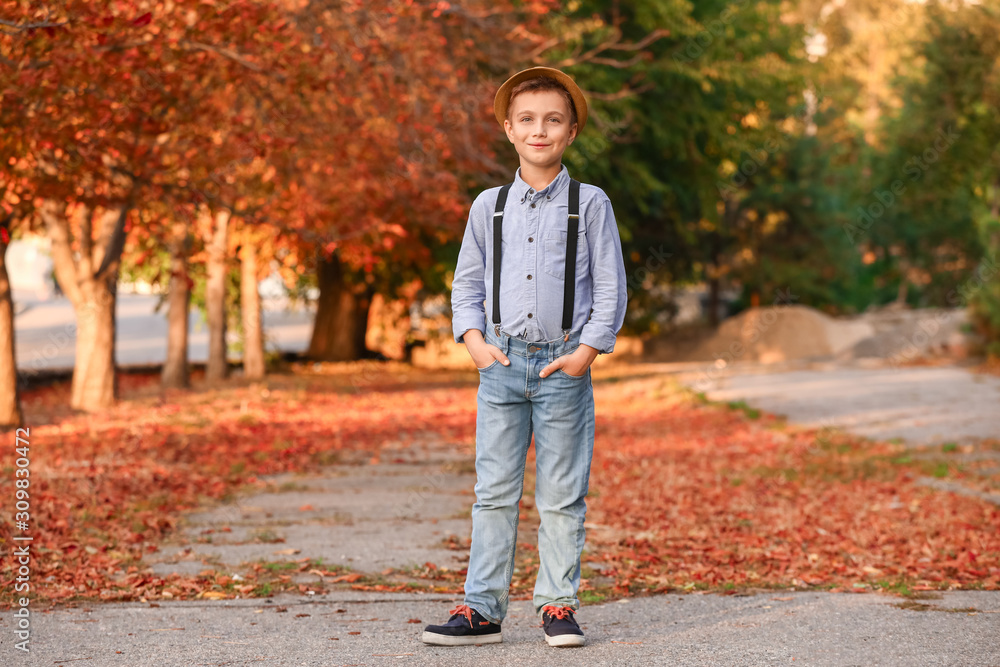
507, 127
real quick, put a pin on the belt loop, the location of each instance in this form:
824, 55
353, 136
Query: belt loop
506, 345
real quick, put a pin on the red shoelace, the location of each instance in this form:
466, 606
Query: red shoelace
466, 610
558, 612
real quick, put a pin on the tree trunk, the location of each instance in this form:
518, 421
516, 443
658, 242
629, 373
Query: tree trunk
95, 383
341, 316
713, 302
714, 271
995, 211
363, 309
93, 294
215, 297
10, 403
995, 208
175, 373
902, 291
253, 334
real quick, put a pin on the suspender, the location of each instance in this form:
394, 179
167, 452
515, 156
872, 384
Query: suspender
497, 235
572, 228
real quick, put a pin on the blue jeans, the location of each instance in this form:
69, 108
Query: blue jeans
512, 404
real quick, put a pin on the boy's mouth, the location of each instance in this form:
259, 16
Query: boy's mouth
538, 145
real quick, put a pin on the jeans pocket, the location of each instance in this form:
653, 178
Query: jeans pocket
495, 362
573, 377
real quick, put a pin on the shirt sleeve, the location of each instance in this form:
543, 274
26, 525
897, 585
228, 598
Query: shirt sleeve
607, 270
468, 288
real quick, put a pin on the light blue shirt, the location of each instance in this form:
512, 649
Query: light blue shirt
532, 265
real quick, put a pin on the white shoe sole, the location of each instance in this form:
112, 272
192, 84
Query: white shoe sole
450, 640
565, 640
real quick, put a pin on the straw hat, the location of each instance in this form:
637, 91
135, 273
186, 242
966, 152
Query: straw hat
502, 99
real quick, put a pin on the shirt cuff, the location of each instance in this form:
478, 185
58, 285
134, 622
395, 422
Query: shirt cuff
461, 325
598, 337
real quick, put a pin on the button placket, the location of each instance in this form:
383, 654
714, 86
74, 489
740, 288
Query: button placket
532, 291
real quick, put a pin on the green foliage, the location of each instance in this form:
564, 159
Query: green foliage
708, 93
858, 177
984, 299
949, 227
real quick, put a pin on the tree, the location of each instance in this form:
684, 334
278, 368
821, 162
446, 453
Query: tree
391, 178
682, 94
10, 404
117, 139
950, 130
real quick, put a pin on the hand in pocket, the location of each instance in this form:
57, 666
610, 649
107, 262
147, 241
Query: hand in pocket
484, 355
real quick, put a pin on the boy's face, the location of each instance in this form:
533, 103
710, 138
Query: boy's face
539, 127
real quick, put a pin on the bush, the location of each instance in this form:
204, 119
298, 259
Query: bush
984, 294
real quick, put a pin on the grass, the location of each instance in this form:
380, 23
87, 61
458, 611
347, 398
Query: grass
281, 566
267, 536
287, 487
751, 413
913, 605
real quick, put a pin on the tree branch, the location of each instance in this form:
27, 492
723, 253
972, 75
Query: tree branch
54, 217
226, 53
114, 244
21, 27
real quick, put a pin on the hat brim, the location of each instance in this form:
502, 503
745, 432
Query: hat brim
502, 100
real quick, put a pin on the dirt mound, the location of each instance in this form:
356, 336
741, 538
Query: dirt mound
784, 333
781, 333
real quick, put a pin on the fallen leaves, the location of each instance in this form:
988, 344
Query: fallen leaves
684, 496
212, 595
703, 495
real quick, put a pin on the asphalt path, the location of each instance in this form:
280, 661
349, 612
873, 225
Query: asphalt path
45, 331
355, 628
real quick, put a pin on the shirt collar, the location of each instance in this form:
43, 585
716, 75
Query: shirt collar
520, 188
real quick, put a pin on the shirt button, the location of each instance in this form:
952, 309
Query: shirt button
532, 204
548, 197
529, 315
531, 239
529, 276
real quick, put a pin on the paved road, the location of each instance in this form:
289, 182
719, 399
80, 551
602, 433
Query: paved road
921, 405
790, 628
46, 331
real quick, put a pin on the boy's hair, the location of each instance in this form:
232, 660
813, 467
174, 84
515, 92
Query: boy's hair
540, 83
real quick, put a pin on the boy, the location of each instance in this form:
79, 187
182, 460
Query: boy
559, 302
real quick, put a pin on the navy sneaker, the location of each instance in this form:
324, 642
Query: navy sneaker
561, 628
466, 626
